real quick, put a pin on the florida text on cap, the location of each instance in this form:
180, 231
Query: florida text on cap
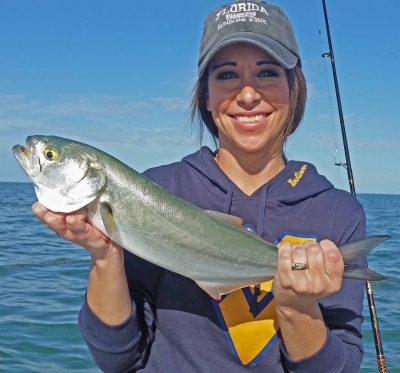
256, 22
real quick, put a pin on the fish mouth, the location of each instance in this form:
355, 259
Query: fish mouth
21, 154
27, 157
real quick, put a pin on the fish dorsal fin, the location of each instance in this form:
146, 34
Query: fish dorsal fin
107, 216
225, 218
233, 221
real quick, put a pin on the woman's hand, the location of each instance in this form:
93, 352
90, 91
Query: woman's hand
299, 289
74, 227
296, 291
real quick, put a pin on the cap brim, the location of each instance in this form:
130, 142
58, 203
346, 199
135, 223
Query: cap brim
283, 55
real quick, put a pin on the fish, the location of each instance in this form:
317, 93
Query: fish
211, 248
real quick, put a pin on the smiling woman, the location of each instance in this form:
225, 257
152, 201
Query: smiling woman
295, 80
250, 96
245, 84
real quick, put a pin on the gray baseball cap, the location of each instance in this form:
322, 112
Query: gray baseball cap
256, 22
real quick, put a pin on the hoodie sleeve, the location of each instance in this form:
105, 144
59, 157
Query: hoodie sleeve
125, 347
342, 311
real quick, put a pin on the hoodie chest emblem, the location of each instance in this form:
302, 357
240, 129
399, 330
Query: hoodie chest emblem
297, 176
251, 334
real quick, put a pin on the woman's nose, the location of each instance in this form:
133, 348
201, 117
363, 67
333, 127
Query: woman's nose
248, 95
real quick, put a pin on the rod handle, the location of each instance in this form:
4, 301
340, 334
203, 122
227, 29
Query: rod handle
382, 364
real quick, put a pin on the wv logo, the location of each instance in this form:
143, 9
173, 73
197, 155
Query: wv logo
251, 334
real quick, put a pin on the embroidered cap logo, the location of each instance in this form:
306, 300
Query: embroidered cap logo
241, 12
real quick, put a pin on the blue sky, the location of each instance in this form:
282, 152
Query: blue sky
118, 75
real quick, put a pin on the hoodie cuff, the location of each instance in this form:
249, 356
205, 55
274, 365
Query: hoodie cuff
330, 356
108, 338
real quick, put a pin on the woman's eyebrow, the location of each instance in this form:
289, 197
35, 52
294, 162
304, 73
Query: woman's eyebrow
225, 64
260, 63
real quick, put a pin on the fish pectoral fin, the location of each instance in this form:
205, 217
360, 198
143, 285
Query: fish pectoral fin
107, 215
216, 290
359, 272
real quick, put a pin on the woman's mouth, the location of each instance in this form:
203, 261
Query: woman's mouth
251, 119
250, 122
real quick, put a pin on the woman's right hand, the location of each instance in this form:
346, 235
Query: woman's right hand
107, 292
75, 228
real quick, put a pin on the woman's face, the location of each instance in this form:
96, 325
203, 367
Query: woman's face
248, 97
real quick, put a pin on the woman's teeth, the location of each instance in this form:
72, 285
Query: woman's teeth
252, 119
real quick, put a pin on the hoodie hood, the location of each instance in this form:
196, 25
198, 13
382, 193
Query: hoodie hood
296, 182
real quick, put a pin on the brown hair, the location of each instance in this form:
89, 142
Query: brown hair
200, 116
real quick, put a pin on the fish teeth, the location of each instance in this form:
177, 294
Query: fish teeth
251, 119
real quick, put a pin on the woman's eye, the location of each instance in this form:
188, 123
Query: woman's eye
225, 75
268, 73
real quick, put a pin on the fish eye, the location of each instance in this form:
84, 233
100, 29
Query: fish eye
50, 153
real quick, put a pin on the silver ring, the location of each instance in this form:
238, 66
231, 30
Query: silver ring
299, 266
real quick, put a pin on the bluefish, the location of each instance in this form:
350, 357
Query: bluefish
211, 248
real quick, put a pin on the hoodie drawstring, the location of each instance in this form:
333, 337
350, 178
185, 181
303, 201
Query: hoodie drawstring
253, 305
260, 231
261, 212
228, 200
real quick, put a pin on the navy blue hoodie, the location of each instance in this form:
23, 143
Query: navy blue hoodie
176, 327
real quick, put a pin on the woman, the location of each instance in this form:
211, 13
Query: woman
250, 95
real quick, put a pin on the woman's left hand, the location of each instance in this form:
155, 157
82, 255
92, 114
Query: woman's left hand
298, 289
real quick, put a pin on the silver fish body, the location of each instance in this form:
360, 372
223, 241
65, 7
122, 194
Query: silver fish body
209, 247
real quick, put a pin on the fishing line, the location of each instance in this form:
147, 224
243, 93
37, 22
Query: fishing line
327, 83
330, 104
323, 50
329, 89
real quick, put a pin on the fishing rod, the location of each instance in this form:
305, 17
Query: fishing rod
371, 303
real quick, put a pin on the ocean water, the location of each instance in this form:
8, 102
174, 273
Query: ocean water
43, 280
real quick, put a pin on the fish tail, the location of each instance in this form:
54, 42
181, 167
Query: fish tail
353, 251
358, 272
